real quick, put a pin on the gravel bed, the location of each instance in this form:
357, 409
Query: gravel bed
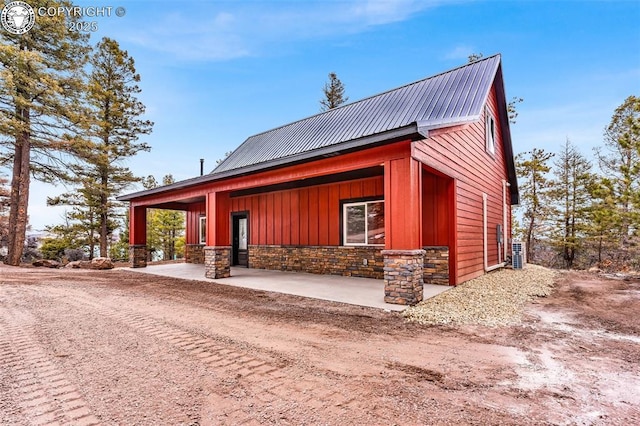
494, 299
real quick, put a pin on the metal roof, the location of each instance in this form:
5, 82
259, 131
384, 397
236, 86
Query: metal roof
452, 97
446, 99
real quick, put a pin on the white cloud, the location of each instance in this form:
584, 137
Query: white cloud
208, 33
548, 128
460, 52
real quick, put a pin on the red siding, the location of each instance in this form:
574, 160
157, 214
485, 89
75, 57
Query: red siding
461, 154
304, 216
436, 228
194, 212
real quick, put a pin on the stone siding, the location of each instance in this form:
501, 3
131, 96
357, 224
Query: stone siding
403, 276
436, 265
138, 255
365, 262
217, 262
194, 253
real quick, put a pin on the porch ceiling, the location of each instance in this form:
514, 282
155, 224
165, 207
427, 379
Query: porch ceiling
181, 204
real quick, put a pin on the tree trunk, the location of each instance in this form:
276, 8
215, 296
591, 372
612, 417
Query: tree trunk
530, 239
19, 192
103, 215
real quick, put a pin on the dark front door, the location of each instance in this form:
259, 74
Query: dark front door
240, 240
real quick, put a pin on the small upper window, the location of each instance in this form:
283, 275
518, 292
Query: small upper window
490, 129
364, 223
203, 230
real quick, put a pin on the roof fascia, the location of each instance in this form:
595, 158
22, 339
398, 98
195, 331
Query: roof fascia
407, 132
506, 136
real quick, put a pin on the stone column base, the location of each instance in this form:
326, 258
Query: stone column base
436, 265
217, 262
194, 253
138, 255
403, 276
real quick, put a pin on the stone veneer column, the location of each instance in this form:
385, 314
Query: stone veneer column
217, 261
436, 265
403, 276
194, 253
138, 255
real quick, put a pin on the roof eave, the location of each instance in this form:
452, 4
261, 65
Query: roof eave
506, 137
410, 131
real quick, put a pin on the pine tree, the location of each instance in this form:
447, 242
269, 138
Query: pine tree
532, 171
82, 219
601, 216
165, 228
572, 199
4, 213
333, 93
65, 238
619, 161
114, 130
40, 86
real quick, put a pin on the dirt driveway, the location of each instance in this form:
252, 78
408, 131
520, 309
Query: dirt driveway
81, 347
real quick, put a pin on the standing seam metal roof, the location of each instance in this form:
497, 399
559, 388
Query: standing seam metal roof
455, 96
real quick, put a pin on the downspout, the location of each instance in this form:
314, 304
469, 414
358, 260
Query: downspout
505, 184
485, 254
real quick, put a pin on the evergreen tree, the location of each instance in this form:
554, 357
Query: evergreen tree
571, 196
40, 87
165, 228
119, 250
4, 213
114, 130
532, 171
619, 161
64, 238
333, 93
601, 215
81, 220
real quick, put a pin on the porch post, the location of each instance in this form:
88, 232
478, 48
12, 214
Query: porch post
217, 252
138, 236
217, 262
403, 276
403, 254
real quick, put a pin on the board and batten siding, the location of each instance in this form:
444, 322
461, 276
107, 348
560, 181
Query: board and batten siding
462, 154
194, 212
307, 216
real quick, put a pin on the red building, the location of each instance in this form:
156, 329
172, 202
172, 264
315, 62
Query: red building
412, 185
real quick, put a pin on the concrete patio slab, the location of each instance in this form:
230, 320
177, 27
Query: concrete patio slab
355, 291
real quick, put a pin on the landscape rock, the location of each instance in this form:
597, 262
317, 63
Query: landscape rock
46, 263
594, 270
79, 264
101, 263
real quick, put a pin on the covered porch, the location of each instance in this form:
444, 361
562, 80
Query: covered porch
377, 213
351, 290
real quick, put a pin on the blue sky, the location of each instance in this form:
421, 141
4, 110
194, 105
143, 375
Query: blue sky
214, 73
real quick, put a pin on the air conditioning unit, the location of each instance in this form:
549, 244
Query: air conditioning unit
519, 254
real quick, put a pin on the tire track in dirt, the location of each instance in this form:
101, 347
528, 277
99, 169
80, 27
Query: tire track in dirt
250, 387
44, 394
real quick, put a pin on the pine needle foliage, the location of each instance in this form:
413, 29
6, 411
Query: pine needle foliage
41, 86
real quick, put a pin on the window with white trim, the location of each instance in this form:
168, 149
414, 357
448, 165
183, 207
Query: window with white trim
490, 128
203, 230
363, 223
